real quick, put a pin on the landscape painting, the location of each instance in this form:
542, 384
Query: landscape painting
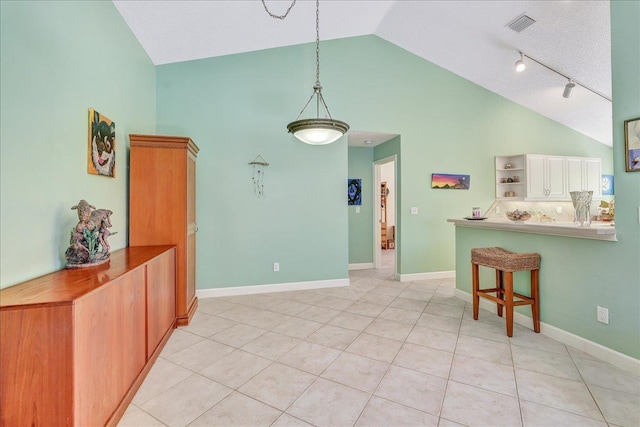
448, 181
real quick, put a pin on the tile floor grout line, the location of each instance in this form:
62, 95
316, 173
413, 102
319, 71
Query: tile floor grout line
584, 381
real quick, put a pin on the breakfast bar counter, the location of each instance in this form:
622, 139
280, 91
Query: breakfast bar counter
599, 230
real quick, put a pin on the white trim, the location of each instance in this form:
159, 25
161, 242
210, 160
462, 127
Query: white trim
361, 266
276, 287
606, 354
427, 276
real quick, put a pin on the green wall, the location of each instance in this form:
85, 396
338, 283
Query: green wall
236, 108
361, 224
58, 59
576, 275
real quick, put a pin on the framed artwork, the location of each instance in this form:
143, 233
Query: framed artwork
102, 145
607, 185
448, 181
632, 144
354, 192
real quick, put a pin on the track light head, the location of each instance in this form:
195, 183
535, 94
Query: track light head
568, 89
520, 65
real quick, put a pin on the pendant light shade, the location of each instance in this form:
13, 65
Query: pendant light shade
318, 131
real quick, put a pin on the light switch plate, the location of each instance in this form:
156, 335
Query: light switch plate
357, 209
414, 211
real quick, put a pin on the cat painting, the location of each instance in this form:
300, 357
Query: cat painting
102, 145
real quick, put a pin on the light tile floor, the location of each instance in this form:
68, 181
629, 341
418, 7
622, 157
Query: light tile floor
378, 353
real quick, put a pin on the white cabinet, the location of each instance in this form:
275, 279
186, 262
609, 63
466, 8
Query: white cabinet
584, 174
545, 177
510, 177
539, 177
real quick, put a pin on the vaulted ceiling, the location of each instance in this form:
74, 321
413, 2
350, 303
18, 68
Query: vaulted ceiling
468, 38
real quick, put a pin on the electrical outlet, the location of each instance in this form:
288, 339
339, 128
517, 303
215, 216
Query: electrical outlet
414, 211
559, 210
276, 266
602, 315
497, 209
357, 209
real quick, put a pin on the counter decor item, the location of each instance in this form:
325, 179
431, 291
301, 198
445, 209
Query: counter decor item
88, 243
606, 211
582, 205
508, 166
518, 215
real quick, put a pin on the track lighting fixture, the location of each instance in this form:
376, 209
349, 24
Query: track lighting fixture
520, 66
568, 88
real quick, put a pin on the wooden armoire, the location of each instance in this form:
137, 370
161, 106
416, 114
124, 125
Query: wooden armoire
162, 207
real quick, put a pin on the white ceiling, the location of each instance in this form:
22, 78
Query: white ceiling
468, 38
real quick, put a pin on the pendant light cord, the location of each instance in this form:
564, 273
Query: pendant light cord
278, 16
318, 43
317, 89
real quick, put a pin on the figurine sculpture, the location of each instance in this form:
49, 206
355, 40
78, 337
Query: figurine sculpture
88, 243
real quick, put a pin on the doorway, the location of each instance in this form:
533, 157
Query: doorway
385, 214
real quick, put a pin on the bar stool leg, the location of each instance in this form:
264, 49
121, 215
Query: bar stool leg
508, 301
535, 295
500, 291
476, 285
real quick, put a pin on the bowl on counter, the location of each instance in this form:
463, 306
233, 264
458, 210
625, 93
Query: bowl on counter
518, 215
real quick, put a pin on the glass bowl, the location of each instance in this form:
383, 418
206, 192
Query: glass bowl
518, 216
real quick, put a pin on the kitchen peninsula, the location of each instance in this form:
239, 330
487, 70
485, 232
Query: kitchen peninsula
599, 230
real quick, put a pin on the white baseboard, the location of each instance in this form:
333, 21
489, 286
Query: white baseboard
361, 266
606, 354
276, 287
426, 276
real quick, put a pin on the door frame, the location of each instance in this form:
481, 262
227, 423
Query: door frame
377, 244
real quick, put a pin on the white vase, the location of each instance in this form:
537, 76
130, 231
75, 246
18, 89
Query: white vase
582, 205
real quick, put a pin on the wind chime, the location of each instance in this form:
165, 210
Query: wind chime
259, 165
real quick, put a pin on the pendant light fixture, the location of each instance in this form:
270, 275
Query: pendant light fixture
318, 130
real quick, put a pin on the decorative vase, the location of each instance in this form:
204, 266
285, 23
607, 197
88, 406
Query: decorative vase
582, 205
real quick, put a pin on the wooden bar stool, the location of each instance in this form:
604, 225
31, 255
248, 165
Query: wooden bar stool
506, 263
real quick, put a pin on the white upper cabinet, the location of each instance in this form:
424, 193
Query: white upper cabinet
584, 174
546, 177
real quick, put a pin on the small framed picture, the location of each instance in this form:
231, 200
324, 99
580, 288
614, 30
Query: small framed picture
607, 185
102, 145
449, 181
632, 144
354, 192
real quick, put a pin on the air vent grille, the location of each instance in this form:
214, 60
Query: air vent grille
521, 22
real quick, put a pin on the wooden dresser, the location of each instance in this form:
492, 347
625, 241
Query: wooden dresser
162, 206
75, 345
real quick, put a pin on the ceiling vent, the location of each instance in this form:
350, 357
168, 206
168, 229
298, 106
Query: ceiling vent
521, 22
